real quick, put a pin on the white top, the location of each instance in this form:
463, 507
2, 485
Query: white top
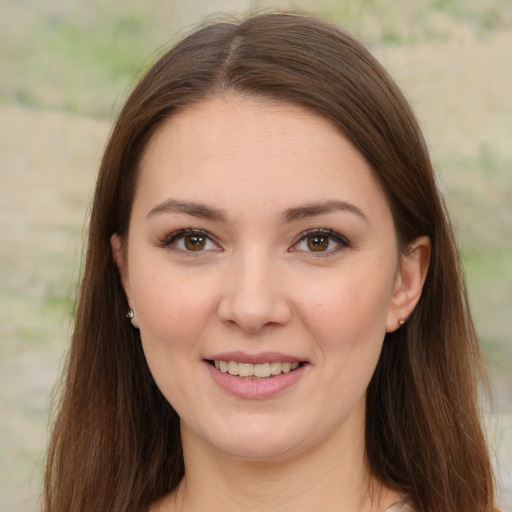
401, 506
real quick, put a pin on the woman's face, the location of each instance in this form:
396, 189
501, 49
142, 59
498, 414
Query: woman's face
262, 264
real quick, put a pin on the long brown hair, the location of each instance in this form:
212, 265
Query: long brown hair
116, 442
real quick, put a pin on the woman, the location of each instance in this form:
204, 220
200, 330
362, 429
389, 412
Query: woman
297, 333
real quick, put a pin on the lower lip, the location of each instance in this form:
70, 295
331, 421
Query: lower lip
255, 389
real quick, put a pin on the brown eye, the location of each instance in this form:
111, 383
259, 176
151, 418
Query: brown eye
318, 243
323, 242
194, 242
190, 241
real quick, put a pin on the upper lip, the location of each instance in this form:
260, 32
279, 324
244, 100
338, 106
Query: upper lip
261, 357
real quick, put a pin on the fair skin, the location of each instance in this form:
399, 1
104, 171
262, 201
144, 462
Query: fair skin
259, 236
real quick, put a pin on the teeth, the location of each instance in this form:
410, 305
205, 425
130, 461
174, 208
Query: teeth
232, 368
245, 369
260, 370
275, 368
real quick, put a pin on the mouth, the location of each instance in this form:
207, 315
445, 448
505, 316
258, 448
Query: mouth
265, 370
256, 376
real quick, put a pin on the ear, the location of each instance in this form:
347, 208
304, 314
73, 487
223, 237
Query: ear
119, 255
409, 282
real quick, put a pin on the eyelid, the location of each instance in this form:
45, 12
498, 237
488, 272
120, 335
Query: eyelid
343, 242
172, 237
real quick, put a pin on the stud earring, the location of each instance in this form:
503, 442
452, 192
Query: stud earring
131, 314
401, 322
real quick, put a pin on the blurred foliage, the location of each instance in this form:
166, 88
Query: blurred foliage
481, 184
79, 60
402, 21
78, 56
480, 200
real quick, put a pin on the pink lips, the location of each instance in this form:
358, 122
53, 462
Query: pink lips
255, 389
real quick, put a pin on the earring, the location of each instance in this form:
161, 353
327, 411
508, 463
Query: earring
131, 314
401, 322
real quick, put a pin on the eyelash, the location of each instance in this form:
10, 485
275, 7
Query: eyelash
331, 235
175, 236
342, 242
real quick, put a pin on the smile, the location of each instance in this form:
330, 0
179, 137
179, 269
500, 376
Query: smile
255, 371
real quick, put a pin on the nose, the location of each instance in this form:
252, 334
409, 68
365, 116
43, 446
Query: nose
253, 295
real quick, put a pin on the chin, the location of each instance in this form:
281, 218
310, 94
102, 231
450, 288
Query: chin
257, 443
258, 449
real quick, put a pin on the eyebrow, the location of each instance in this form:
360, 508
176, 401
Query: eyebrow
189, 208
293, 214
315, 209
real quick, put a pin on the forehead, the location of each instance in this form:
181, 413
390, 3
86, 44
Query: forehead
234, 123
253, 150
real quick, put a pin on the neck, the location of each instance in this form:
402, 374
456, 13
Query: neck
332, 476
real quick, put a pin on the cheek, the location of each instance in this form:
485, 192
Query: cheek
347, 306
173, 307
347, 315
173, 315
350, 326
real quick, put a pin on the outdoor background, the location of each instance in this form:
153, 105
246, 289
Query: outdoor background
66, 67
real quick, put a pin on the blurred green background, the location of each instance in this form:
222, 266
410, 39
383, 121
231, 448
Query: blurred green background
66, 67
